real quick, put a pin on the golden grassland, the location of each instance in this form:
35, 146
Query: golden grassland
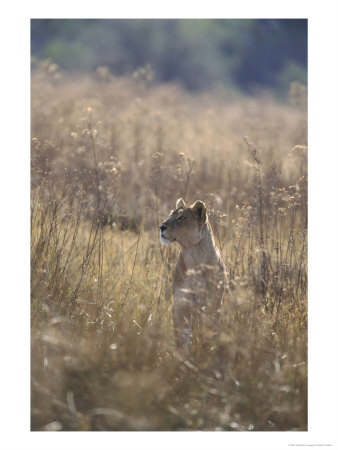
110, 156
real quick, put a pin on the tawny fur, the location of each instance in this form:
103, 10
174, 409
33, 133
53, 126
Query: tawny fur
200, 274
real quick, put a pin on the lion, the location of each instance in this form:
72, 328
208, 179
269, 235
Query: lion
200, 276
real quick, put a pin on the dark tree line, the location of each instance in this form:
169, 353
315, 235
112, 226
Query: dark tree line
246, 53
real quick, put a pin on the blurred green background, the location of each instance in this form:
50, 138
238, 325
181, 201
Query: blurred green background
246, 54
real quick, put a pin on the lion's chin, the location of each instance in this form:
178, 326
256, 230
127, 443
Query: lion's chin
165, 241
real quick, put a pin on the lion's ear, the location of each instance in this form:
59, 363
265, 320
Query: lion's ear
180, 203
200, 211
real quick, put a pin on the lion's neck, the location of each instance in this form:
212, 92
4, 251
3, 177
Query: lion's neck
205, 252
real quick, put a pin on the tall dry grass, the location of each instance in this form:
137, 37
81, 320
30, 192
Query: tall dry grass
110, 156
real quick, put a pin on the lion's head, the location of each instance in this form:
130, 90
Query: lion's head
185, 224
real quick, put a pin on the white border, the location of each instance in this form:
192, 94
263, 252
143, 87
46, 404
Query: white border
323, 78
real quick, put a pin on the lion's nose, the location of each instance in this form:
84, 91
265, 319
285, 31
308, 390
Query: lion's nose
163, 227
